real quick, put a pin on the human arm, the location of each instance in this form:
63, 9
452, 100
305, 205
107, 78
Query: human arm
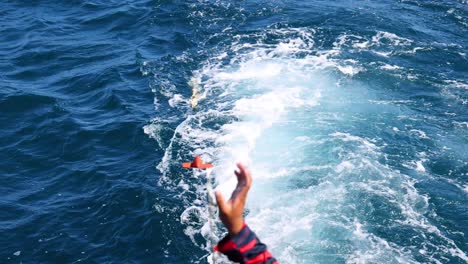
241, 244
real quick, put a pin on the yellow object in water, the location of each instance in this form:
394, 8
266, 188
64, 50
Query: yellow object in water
194, 83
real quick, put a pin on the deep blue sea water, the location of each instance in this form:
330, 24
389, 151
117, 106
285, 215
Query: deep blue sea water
351, 114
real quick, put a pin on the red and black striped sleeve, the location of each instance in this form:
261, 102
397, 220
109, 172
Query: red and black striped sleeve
245, 248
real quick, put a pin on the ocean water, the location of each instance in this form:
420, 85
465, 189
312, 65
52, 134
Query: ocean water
352, 116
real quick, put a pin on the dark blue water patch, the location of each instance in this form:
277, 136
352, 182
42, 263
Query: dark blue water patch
17, 103
78, 177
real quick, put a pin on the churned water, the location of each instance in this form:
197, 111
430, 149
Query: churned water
352, 116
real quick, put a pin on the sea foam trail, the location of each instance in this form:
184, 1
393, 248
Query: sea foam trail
322, 190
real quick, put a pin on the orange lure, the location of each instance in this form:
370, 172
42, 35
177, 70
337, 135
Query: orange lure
197, 163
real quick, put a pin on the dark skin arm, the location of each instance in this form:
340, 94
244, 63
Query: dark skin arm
231, 211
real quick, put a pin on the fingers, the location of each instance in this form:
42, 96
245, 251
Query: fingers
243, 175
244, 180
221, 202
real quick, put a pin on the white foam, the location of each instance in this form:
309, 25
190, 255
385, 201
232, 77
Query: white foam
378, 44
389, 67
348, 137
457, 84
345, 165
383, 53
285, 172
386, 102
376, 250
176, 99
393, 38
303, 138
251, 70
419, 133
414, 50
349, 70
419, 166
307, 180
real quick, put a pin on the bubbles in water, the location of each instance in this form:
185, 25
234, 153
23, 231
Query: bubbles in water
322, 191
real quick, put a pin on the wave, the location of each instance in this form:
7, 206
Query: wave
323, 191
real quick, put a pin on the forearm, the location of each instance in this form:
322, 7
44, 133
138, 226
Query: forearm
245, 248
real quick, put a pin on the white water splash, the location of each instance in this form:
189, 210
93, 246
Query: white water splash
289, 117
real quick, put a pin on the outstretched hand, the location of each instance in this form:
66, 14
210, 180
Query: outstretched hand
231, 212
